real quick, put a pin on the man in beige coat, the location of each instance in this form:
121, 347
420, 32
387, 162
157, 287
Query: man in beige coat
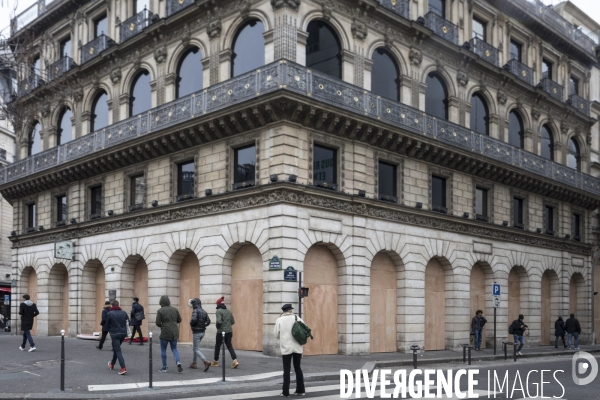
290, 350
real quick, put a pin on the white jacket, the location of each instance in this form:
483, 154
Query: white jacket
283, 331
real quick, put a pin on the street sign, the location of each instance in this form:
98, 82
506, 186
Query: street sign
63, 250
275, 263
290, 275
496, 289
7, 299
496, 301
112, 295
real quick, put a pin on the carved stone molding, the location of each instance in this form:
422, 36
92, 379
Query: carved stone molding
214, 29
501, 96
462, 77
293, 4
115, 75
415, 56
359, 30
535, 113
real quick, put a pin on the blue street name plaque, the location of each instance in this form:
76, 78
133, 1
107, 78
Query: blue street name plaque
290, 275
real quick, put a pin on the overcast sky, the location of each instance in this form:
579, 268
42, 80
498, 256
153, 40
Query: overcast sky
7, 10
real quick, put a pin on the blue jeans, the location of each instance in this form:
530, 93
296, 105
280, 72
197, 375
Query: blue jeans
117, 340
519, 339
570, 335
478, 336
196, 346
163, 351
26, 337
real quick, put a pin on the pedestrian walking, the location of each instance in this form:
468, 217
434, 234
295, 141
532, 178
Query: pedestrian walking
137, 316
291, 350
116, 320
559, 332
104, 324
167, 319
477, 324
573, 330
224, 321
517, 329
198, 323
28, 311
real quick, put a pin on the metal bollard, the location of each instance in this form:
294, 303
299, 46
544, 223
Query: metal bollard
515, 351
505, 349
62, 361
414, 349
470, 355
464, 346
149, 359
223, 358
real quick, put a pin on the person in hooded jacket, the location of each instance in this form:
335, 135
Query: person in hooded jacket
224, 321
135, 324
559, 332
104, 324
167, 319
198, 323
117, 319
28, 311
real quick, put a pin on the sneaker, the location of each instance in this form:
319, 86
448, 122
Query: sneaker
123, 371
32, 349
179, 367
110, 366
299, 394
21, 348
576, 348
214, 363
519, 353
234, 364
165, 369
570, 348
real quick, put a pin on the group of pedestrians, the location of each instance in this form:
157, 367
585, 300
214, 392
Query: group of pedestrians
571, 328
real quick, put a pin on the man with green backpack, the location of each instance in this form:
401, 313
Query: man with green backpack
292, 333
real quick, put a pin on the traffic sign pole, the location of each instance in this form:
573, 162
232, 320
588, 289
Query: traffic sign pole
494, 330
299, 295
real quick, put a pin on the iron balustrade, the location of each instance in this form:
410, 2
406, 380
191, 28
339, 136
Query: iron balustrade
552, 88
285, 76
400, 7
59, 67
441, 27
29, 84
485, 51
134, 25
580, 104
520, 70
95, 47
174, 6
30, 14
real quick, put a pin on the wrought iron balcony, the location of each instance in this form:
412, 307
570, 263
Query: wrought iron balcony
326, 185
243, 185
285, 76
174, 6
95, 47
485, 50
134, 25
400, 7
520, 70
29, 84
552, 88
581, 104
61, 66
442, 27
30, 14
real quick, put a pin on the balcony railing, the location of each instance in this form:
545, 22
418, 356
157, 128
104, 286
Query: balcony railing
30, 14
400, 7
61, 66
442, 27
28, 84
485, 51
286, 76
520, 70
95, 47
134, 25
552, 88
174, 6
581, 104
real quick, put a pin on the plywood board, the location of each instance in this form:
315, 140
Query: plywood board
435, 306
383, 304
573, 296
514, 298
478, 297
140, 289
100, 297
189, 288
32, 291
546, 300
597, 302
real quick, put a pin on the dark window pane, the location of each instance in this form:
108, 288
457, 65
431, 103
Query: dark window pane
481, 202
100, 26
35, 141
436, 98
244, 164
64, 131
576, 226
479, 29
438, 192
141, 94
189, 73
31, 216
65, 48
248, 48
517, 211
549, 218
438, 7
573, 85
547, 143
385, 75
546, 69
323, 49
99, 117
479, 115
138, 189
61, 208
515, 130
96, 200
325, 164
186, 173
515, 50
573, 156
387, 179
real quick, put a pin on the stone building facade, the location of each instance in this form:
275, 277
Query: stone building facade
400, 154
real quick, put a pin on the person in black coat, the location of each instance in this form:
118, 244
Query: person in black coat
517, 328
573, 329
559, 332
135, 324
104, 325
117, 319
28, 311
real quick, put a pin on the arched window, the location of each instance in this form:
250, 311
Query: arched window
323, 49
35, 139
480, 120
547, 143
99, 117
385, 75
436, 97
516, 133
248, 48
64, 129
573, 158
189, 73
140, 99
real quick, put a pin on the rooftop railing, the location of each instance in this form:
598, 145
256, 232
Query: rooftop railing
59, 67
95, 47
552, 88
400, 7
134, 25
30, 14
314, 86
520, 70
174, 6
485, 51
441, 27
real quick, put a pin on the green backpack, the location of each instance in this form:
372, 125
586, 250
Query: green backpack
301, 332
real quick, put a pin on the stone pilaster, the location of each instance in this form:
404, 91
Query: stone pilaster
285, 33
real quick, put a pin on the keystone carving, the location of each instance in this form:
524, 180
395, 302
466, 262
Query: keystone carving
388, 37
501, 96
78, 94
293, 4
45, 110
327, 9
535, 113
245, 9
214, 29
185, 35
462, 77
115, 75
359, 30
415, 56
160, 52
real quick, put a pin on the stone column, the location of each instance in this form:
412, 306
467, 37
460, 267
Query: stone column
214, 34
160, 56
359, 33
529, 140
494, 126
285, 31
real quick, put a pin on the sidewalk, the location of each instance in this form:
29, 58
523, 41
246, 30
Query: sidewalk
86, 367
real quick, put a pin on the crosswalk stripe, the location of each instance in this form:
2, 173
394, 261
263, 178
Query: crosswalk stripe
258, 395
